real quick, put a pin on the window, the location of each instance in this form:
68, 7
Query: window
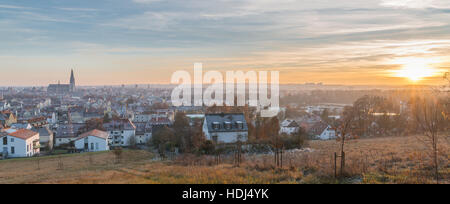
92, 146
5, 141
239, 125
215, 125
28, 148
13, 150
12, 139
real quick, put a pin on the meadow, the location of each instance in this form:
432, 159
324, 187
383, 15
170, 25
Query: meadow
379, 160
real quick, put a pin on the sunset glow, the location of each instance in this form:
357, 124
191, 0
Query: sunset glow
416, 69
114, 42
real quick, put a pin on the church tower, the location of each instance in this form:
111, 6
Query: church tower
72, 81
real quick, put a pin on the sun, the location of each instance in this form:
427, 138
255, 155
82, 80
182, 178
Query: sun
415, 69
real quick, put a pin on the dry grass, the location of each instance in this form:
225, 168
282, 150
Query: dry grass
382, 160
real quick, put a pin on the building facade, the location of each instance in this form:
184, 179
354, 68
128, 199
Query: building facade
62, 89
225, 127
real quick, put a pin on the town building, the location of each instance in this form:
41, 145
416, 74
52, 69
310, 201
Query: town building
225, 127
7, 118
19, 143
120, 132
289, 127
92, 141
62, 89
46, 137
322, 131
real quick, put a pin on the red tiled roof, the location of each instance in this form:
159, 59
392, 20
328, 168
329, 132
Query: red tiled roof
23, 134
38, 119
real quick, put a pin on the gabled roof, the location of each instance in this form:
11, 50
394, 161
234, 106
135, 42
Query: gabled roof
289, 123
318, 128
23, 134
95, 133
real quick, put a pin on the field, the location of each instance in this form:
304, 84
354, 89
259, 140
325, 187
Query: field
381, 160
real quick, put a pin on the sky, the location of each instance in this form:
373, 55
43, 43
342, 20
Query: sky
112, 42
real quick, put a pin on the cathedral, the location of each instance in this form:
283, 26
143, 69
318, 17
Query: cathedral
63, 88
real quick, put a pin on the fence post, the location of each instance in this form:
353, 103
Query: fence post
281, 163
342, 163
335, 165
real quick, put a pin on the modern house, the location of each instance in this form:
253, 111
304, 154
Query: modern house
19, 143
225, 127
92, 141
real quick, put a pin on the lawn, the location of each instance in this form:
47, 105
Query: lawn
381, 160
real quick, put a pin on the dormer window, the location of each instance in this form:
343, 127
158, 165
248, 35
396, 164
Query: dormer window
239, 125
216, 125
227, 125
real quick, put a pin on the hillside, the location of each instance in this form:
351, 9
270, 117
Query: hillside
382, 160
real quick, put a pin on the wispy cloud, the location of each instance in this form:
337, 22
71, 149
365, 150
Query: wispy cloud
79, 9
416, 4
12, 7
305, 39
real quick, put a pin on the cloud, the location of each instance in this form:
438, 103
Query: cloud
79, 9
308, 37
145, 1
416, 4
12, 7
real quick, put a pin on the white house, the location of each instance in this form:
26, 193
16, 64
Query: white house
120, 131
289, 127
92, 141
322, 131
225, 127
19, 143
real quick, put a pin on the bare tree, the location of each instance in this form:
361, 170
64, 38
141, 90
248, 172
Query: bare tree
344, 131
429, 114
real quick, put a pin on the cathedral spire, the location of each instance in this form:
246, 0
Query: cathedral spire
72, 81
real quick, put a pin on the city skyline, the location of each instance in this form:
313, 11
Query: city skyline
369, 42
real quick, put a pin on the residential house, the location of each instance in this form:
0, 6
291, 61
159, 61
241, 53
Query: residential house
46, 137
225, 127
322, 131
7, 118
289, 127
143, 132
120, 131
92, 141
19, 143
38, 121
66, 133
